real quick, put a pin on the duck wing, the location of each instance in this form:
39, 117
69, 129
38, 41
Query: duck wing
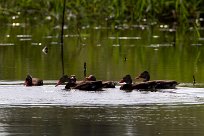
166, 84
89, 86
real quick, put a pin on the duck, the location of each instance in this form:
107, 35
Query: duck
105, 84
147, 84
138, 86
89, 84
160, 84
29, 81
70, 81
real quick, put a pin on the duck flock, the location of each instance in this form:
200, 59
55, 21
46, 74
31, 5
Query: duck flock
90, 83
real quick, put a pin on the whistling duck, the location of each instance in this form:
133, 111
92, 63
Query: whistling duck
129, 86
71, 81
81, 85
105, 84
89, 84
91, 78
92, 84
146, 84
160, 84
29, 81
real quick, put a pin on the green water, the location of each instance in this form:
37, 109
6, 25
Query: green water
109, 53
99, 121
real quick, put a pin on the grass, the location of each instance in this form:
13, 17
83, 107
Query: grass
88, 12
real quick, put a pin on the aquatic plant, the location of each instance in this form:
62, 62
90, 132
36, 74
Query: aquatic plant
88, 12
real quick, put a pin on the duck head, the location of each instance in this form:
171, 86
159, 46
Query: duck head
144, 75
73, 79
91, 78
127, 79
28, 81
67, 79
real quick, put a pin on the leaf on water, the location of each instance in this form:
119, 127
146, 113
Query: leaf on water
6, 44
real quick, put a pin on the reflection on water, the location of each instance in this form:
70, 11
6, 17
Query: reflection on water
73, 121
110, 53
171, 55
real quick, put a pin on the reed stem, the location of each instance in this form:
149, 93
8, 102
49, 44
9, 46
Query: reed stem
62, 37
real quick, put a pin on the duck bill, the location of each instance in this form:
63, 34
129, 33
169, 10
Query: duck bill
122, 81
26, 83
87, 78
138, 77
59, 83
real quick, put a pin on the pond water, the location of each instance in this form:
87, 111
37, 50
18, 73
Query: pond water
110, 53
49, 110
164, 52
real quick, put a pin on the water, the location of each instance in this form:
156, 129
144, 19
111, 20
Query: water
110, 53
49, 110
48, 95
127, 51
127, 121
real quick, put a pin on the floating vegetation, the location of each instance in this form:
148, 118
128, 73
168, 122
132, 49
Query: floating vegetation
125, 38
116, 45
54, 43
155, 36
168, 30
25, 39
160, 45
7, 44
24, 36
51, 37
197, 44
201, 39
36, 44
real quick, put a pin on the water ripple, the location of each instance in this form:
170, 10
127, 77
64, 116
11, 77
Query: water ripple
48, 95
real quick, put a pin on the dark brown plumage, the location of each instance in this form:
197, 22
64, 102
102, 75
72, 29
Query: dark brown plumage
29, 81
89, 84
146, 84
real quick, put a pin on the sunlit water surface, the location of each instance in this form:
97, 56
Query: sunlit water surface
49, 110
48, 95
